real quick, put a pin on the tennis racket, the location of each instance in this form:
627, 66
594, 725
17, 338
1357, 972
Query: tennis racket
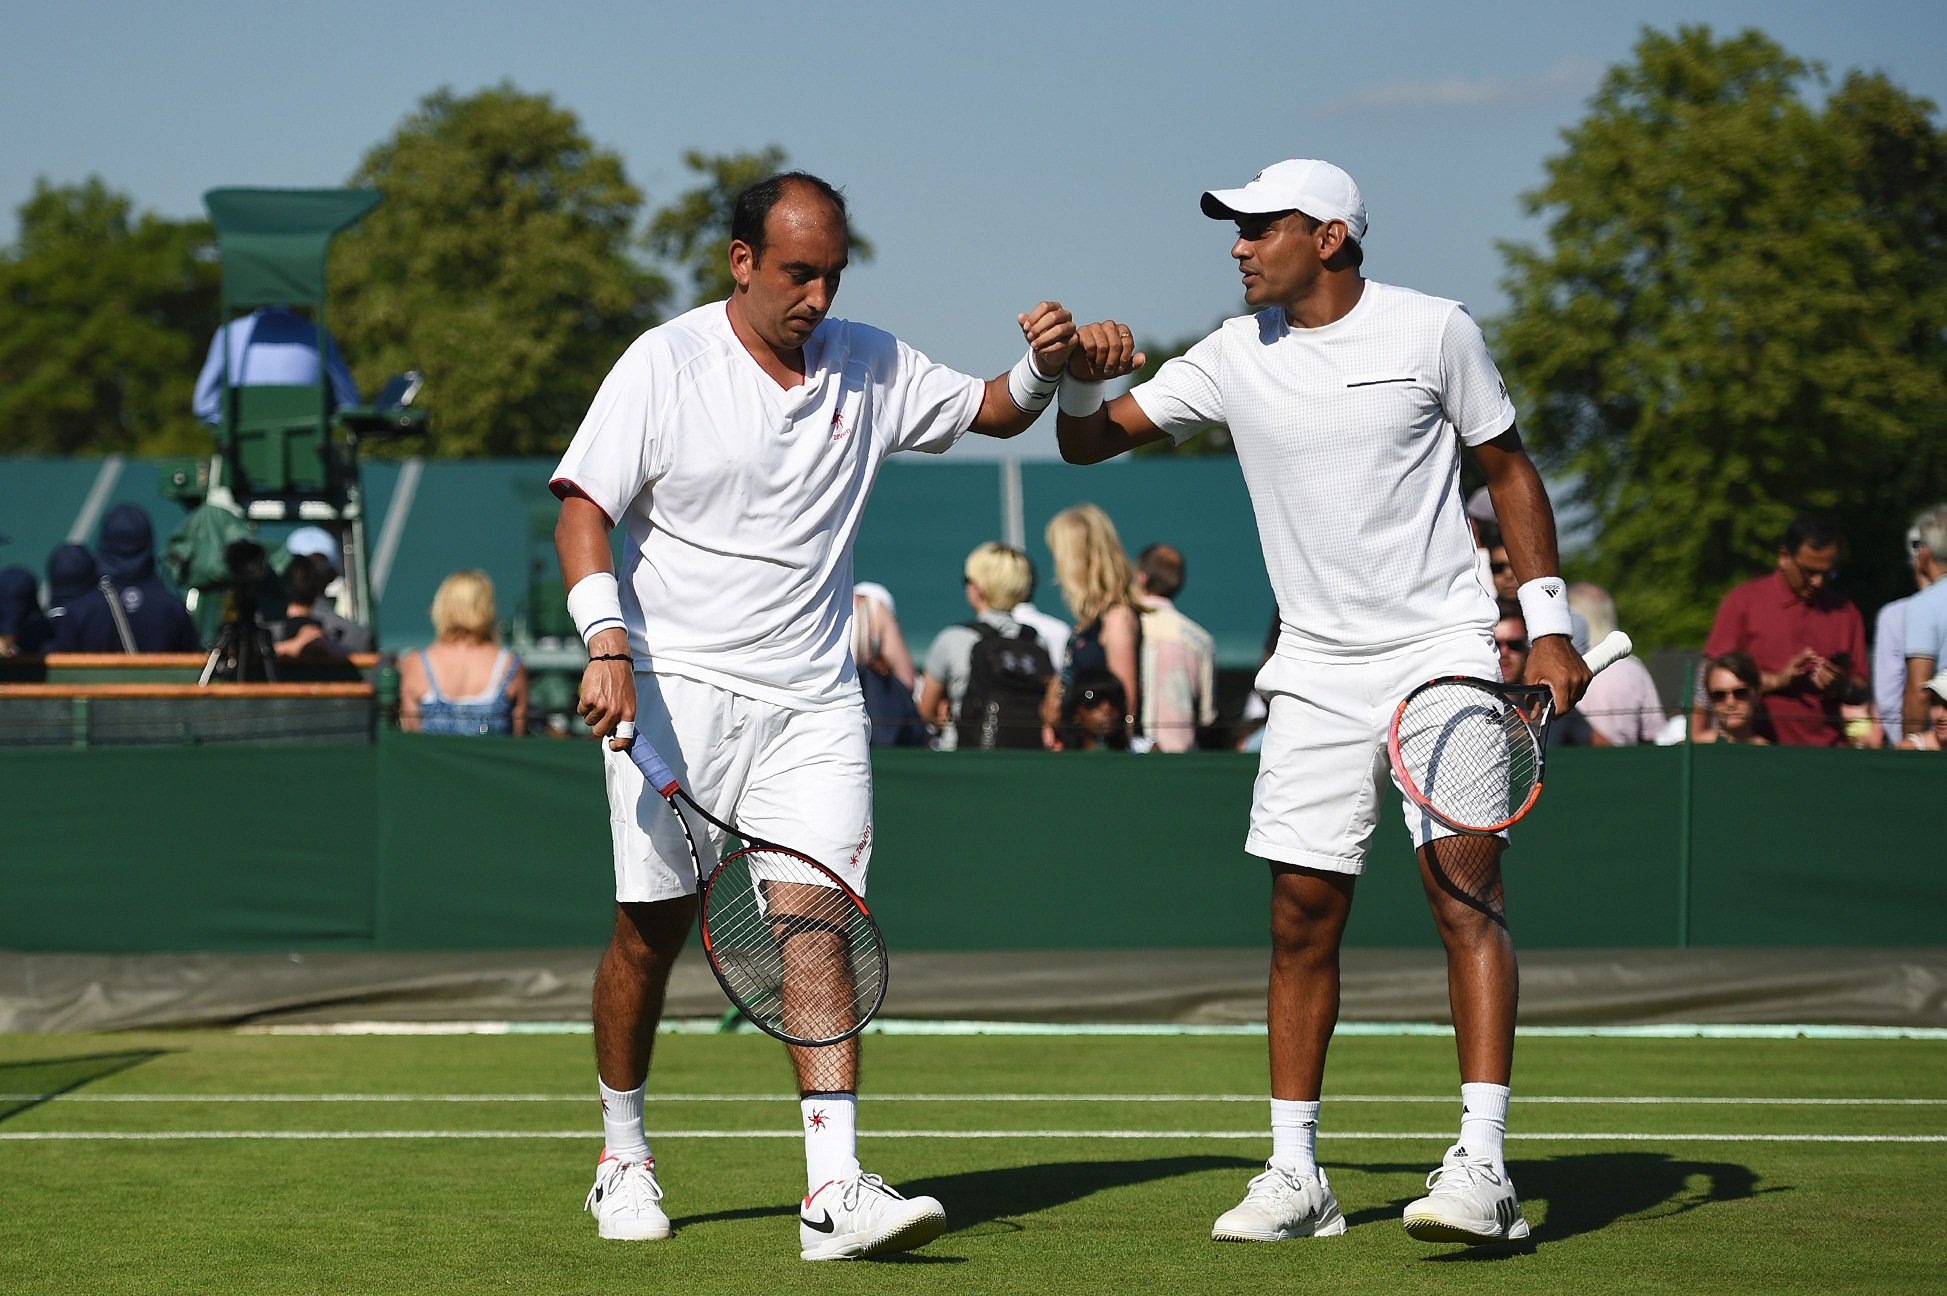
1470, 751
794, 947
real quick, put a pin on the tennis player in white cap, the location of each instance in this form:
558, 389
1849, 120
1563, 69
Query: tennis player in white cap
1348, 402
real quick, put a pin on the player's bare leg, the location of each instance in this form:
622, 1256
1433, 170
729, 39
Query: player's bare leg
1308, 913
1470, 1198
630, 984
629, 988
1293, 1198
1462, 878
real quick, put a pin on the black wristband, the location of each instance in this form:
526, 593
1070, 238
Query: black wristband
595, 657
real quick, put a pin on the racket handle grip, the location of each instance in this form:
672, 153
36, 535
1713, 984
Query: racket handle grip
1614, 647
652, 765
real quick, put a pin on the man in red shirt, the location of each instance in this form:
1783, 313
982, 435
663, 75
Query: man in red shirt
1806, 638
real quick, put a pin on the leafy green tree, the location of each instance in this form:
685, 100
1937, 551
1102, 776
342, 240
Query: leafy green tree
500, 265
692, 234
104, 316
1740, 312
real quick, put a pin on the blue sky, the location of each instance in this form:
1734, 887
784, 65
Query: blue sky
996, 154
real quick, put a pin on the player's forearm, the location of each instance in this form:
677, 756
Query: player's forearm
581, 546
999, 416
581, 540
1527, 520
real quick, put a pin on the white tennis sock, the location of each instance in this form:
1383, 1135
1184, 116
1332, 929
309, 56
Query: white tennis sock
1294, 1136
1484, 1120
622, 1123
831, 1138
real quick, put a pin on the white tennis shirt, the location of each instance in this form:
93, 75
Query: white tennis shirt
1346, 435
741, 499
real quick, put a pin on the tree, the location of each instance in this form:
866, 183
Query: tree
499, 265
104, 315
1740, 313
693, 233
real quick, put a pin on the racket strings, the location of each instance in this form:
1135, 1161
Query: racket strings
795, 951
1470, 751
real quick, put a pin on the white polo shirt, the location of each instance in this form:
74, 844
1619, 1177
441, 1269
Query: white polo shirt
742, 499
1346, 437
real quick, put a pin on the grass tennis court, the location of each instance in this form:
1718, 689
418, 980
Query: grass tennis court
210, 1161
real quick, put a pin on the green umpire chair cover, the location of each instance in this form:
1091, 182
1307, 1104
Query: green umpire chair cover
274, 244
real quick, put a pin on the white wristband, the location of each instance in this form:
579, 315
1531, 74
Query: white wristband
1027, 388
596, 605
1080, 399
1544, 606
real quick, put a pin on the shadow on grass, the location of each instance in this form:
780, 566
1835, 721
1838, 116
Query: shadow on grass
26, 1085
1594, 1190
983, 1201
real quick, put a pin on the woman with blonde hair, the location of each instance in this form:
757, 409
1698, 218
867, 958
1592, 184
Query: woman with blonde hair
465, 683
1097, 583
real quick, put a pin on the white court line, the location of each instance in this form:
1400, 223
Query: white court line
1655, 1100
1150, 1136
903, 1026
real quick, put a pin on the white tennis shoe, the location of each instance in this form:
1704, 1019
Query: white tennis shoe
1280, 1205
1468, 1201
851, 1219
627, 1201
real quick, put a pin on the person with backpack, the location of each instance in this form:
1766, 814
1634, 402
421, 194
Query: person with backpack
986, 681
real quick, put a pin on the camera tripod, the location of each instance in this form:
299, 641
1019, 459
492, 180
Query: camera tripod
243, 647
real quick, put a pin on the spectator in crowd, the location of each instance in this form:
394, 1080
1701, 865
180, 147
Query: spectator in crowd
1053, 630
885, 667
316, 547
1621, 706
1889, 645
25, 630
466, 683
1511, 641
71, 575
1502, 572
1926, 618
299, 635
133, 610
1095, 715
1178, 659
1934, 736
1097, 585
1862, 727
987, 682
270, 347
1806, 638
1734, 692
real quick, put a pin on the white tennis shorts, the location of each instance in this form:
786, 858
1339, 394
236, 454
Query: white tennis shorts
1323, 763
802, 779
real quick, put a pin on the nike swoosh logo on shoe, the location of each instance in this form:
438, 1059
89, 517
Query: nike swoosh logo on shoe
824, 1225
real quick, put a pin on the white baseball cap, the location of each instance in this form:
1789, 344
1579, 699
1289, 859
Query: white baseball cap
310, 540
1480, 505
1937, 686
1318, 189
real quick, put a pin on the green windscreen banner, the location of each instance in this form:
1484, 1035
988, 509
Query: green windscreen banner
430, 843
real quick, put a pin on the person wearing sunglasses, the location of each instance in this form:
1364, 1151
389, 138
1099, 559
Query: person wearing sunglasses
1736, 700
1805, 636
